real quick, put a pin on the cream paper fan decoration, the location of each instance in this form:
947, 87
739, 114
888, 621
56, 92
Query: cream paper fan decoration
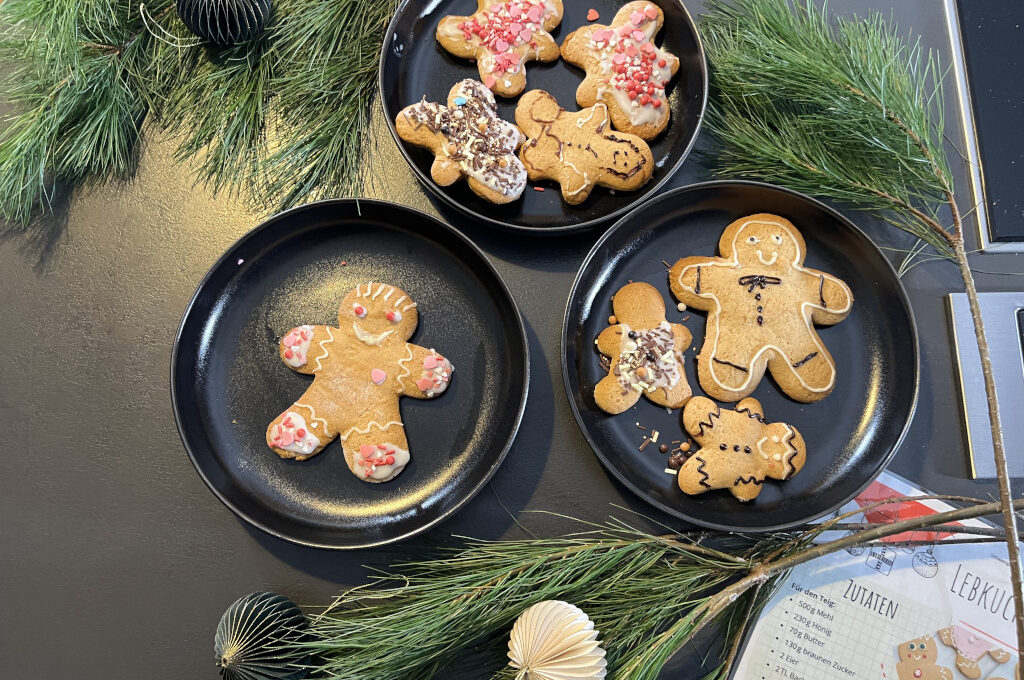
555, 640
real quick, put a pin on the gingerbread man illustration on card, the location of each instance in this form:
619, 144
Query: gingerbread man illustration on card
762, 306
360, 368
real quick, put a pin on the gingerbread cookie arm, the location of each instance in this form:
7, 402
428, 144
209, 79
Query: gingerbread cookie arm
423, 373
689, 279
831, 299
609, 339
304, 348
699, 418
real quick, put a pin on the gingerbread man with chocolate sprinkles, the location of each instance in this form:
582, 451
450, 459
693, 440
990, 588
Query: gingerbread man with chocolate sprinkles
360, 368
739, 449
646, 353
502, 37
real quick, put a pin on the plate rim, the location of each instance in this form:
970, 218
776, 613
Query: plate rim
436, 190
625, 480
268, 223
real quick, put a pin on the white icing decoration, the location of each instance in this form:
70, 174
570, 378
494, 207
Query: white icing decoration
408, 306
369, 426
313, 417
390, 292
399, 301
734, 263
405, 369
440, 375
322, 343
660, 75
299, 350
668, 361
371, 339
379, 290
304, 445
775, 256
396, 316
383, 470
788, 469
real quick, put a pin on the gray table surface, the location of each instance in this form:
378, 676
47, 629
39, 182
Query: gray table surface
117, 561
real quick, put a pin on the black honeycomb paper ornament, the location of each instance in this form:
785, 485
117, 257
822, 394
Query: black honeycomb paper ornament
225, 22
260, 637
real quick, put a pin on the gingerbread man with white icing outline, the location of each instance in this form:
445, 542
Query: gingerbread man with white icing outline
360, 370
762, 306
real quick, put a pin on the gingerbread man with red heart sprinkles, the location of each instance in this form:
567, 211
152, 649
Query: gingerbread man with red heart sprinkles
360, 369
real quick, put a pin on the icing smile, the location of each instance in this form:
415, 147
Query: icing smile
368, 337
760, 256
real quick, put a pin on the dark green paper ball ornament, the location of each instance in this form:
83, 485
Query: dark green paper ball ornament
257, 639
225, 22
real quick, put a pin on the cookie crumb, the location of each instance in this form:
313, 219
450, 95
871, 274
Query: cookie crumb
670, 267
641, 426
644, 444
676, 460
654, 437
592, 15
685, 446
686, 318
670, 471
612, 320
663, 448
240, 260
344, 264
681, 306
538, 188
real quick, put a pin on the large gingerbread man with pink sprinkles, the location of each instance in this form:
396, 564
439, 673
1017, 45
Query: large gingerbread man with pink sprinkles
360, 370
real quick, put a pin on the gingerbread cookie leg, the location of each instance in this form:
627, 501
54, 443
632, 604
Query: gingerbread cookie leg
806, 372
303, 429
376, 451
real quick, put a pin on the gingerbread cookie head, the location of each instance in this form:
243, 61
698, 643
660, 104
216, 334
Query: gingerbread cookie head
578, 150
769, 242
919, 649
739, 449
376, 314
502, 36
645, 353
469, 140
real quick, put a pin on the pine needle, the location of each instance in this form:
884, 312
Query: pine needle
850, 110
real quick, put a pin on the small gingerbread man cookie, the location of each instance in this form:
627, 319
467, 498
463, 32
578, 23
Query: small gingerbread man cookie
468, 139
969, 649
739, 449
646, 353
577, 150
625, 70
360, 370
762, 306
917, 661
502, 37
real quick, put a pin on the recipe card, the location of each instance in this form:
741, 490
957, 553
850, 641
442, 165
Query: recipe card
890, 612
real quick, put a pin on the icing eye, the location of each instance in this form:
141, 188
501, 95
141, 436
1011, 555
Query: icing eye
359, 310
777, 239
753, 239
394, 316
911, 646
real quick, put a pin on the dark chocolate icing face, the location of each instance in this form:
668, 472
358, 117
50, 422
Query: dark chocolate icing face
627, 159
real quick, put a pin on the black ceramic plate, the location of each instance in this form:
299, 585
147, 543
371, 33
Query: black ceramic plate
227, 382
851, 434
413, 64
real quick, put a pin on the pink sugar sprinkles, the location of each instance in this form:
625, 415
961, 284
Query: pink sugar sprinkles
634, 65
502, 28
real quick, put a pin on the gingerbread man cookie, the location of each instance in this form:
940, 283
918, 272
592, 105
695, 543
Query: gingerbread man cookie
360, 370
625, 70
577, 150
468, 139
970, 648
918, 661
762, 306
739, 449
646, 353
502, 37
